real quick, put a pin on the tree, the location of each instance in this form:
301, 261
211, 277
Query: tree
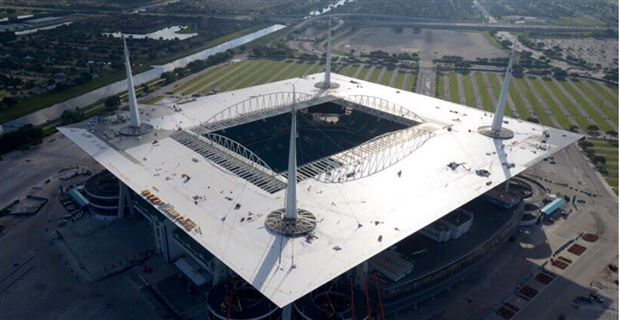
559, 74
599, 159
68, 116
593, 127
24, 136
613, 133
169, 77
9, 101
584, 144
112, 102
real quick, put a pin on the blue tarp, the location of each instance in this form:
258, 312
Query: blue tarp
552, 206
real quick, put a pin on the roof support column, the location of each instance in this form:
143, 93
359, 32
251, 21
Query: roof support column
287, 312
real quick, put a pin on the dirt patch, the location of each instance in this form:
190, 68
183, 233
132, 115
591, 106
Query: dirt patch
469, 45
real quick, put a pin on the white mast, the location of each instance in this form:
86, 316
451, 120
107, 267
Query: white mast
291, 221
328, 59
495, 130
134, 116
498, 118
291, 187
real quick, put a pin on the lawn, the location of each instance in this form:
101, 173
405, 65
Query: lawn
582, 102
582, 122
387, 77
470, 96
522, 111
349, 70
273, 68
245, 78
231, 72
496, 84
453, 86
316, 68
605, 105
400, 79
441, 87
363, 73
154, 100
531, 98
483, 91
374, 76
295, 71
192, 86
555, 109
411, 82
609, 92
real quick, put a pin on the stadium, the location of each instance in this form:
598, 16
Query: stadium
325, 197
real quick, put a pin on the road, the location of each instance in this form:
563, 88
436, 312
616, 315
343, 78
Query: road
426, 76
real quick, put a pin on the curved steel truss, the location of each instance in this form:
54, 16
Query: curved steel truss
233, 157
361, 161
373, 105
372, 156
237, 149
252, 109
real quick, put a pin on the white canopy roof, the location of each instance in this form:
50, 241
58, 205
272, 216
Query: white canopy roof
357, 219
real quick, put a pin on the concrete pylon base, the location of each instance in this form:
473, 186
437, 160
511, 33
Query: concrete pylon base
136, 131
502, 133
323, 85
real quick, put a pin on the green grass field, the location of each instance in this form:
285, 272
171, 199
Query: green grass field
349, 70
555, 109
610, 110
295, 70
247, 73
531, 98
582, 122
470, 96
565, 109
609, 92
400, 79
587, 107
154, 100
483, 91
363, 73
410, 82
374, 76
453, 87
522, 111
440, 91
387, 77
